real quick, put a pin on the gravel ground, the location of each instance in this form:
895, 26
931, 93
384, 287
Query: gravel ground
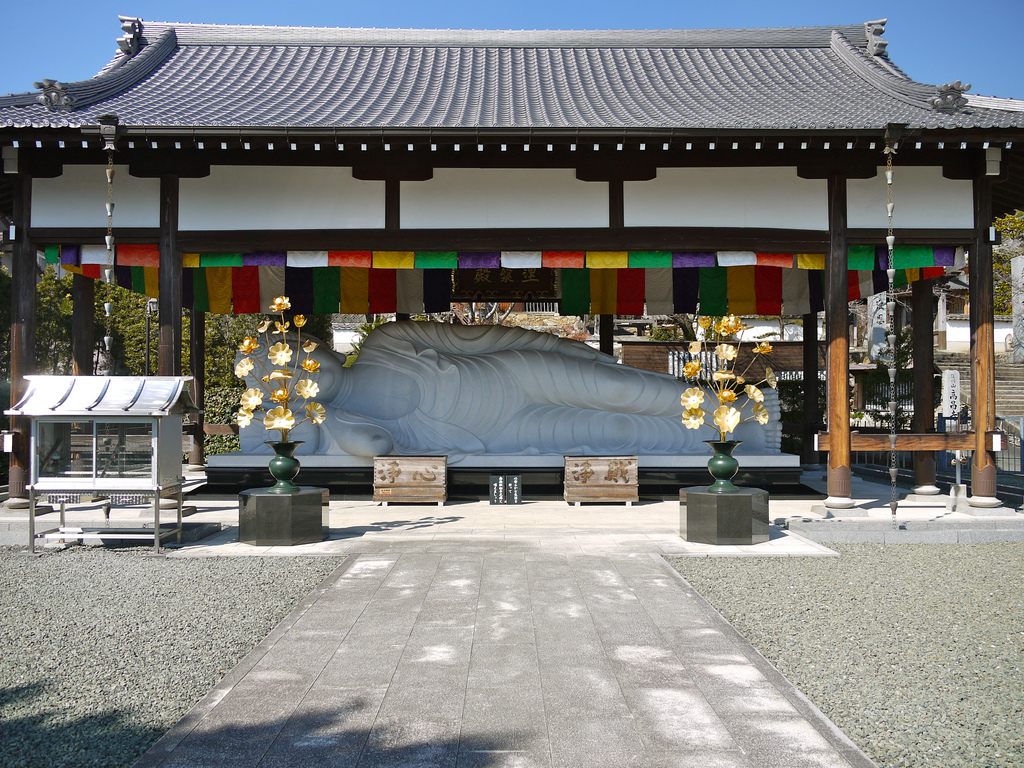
915, 651
101, 651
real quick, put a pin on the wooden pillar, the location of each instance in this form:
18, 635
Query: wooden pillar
605, 333
983, 352
169, 337
392, 204
197, 362
83, 297
924, 383
837, 334
812, 416
23, 336
616, 219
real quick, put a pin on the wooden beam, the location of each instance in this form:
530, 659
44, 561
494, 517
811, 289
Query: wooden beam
169, 338
552, 239
220, 429
915, 442
533, 239
839, 478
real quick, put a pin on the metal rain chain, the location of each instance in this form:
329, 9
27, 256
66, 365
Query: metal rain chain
108, 268
890, 324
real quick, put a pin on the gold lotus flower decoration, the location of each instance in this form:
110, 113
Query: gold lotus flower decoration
723, 387
279, 384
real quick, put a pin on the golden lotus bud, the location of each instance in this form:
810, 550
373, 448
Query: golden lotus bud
248, 345
299, 320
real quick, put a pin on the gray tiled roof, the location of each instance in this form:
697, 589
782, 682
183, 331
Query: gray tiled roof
193, 75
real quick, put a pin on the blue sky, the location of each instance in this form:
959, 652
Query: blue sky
933, 41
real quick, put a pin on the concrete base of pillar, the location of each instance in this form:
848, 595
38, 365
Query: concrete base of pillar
830, 512
988, 511
926, 490
839, 502
984, 501
16, 504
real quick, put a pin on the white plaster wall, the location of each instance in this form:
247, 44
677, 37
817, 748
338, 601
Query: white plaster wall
727, 197
958, 335
923, 198
253, 197
78, 198
503, 197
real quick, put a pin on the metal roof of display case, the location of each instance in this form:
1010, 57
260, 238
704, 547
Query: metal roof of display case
91, 396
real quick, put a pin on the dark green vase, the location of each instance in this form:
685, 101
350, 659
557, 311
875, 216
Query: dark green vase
722, 466
284, 466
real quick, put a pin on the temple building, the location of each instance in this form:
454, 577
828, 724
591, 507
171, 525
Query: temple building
615, 172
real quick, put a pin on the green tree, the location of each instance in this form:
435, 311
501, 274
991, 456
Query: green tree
1011, 227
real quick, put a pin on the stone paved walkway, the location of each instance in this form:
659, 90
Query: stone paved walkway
477, 655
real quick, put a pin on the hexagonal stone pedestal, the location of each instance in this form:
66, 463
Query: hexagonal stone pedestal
723, 518
282, 519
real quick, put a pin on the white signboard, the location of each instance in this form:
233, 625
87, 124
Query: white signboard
950, 393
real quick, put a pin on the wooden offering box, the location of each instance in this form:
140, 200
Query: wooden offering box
601, 478
410, 478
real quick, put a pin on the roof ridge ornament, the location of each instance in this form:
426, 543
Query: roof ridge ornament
874, 30
54, 96
129, 44
950, 97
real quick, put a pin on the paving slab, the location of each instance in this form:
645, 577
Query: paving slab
496, 658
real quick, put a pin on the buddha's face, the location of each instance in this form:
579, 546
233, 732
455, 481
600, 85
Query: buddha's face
330, 375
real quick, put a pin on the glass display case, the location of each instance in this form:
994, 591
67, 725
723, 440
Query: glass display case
117, 436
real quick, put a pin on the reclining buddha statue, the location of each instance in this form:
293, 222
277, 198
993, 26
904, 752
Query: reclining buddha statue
431, 388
